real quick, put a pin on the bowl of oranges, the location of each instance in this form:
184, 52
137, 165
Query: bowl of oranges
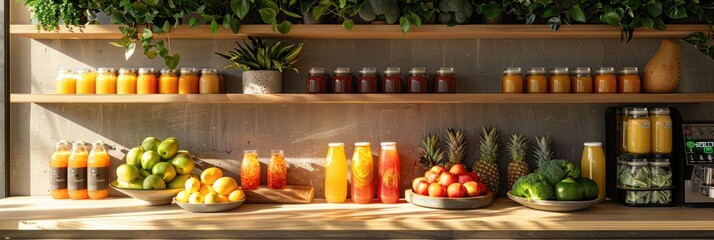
213, 192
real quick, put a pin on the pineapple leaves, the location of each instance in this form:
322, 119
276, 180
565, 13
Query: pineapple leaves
255, 54
431, 153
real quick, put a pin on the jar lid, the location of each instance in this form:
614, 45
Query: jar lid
362, 144
250, 152
660, 111
628, 71
146, 70
660, 164
512, 71
167, 71
278, 152
536, 71
336, 144
85, 70
393, 71
592, 144
388, 143
98, 143
638, 162
445, 71
126, 70
417, 71
343, 70
188, 70
65, 71
582, 70
559, 71
62, 142
316, 70
104, 70
631, 156
368, 70
80, 142
209, 71
637, 111
605, 70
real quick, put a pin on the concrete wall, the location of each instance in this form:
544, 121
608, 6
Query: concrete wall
3, 104
219, 133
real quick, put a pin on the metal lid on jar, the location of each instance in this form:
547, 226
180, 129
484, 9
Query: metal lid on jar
65, 71
97, 143
660, 111
188, 71
605, 71
343, 70
85, 70
368, 71
592, 144
512, 71
105, 70
336, 144
362, 144
393, 71
637, 111
628, 71
445, 71
79, 143
388, 143
167, 71
660, 162
126, 70
316, 70
146, 70
209, 71
277, 152
559, 71
417, 71
581, 71
536, 71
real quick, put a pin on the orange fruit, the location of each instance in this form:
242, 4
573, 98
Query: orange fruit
210, 175
225, 185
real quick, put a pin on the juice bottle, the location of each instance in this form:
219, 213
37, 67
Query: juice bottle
367, 80
126, 82
342, 82
638, 131
581, 81
392, 80
168, 82
106, 81
592, 165
66, 82
628, 80
605, 81
97, 169
445, 81
77, 171
362, 173
559, 81
188, 81
277, 170
336, 173
209, 83
661, 125
86, 81
417, 80
250, 170
536, 81
389, 181
317, 80
146, 82
58, 170
512, 82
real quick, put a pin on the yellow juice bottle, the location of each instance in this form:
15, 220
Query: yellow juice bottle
592, 165
336, 174
97, 169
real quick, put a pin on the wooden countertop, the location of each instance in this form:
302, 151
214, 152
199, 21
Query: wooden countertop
123, 217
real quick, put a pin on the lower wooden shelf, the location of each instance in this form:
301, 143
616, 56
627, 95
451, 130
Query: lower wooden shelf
128, 218
367, 98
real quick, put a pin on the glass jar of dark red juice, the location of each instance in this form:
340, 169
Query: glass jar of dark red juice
392, 80
445, 82
317, 80
367, 82
418, 81
342, 81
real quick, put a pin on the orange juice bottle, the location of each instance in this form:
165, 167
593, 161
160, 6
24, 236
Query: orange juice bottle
77, 171
209, 83
188, 81
86, 81
336, 173
58, 170
97, 169
362, 173
146, 83
168, 81
66, 81
277, 170
106, 81
126, 82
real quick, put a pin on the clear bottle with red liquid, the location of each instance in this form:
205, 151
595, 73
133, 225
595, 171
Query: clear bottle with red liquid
367, 81
342, 81
445, 81
250, 170
389, 181
418, 81
277, 170
362, 173
392, 80
317, 80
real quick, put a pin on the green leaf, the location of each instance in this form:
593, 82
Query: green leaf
577, 14
119, 44
166, 27
348, 24
235, 25
290, 13
172, 61
318, 11
240, 7
214, 27
151, 54
659, 24
343, 3
151, 2
147, 34
611, 18
284, 27
192, 22
227, 21
129, 50
677, 12
404, 23
267, 15
654, 8
647, 23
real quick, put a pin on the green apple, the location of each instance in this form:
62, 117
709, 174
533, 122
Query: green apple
183, 163
138, 183
179, 181
133, 157
149, 159
168, 148
150, 143
154, 182
164, 170
127, 173
144, 173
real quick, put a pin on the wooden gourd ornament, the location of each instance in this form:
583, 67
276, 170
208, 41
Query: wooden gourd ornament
663, 71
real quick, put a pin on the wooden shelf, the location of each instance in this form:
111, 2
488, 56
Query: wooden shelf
321, 31
40, 217
366, 98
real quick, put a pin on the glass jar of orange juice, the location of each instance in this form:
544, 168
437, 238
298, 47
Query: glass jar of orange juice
250, 170
536, 81
581, 81
559, 80
106, 81
168, 81
628, 80
66, 81
605, 81
661, 125
512, 82
277, 170
209, 83
638, 131
146, 83
126, 81
188, 81
86, 81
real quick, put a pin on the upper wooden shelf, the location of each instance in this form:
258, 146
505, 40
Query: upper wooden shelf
367, 98
324, 31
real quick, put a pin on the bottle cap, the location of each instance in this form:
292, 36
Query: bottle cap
392, 71
512, 71
362, 144
445, 71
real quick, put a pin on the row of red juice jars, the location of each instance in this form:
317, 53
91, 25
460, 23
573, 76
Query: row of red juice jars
368, 81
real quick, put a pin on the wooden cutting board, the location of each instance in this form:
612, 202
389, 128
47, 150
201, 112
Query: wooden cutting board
291, 194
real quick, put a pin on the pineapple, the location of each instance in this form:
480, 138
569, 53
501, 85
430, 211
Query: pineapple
455, 146
431, 154
543, 150
518, 166
486, 168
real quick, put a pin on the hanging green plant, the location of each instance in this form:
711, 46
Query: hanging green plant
415, 12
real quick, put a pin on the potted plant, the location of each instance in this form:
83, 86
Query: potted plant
490, 11
453, 12
263, 64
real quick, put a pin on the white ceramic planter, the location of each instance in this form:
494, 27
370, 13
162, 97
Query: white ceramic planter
262, 81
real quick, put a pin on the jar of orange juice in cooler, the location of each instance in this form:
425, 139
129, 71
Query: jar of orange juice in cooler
66, 81
581, 81
512, 82
86, 81
126, 81
559, 80
628, 80
661, 126
605, 81
168, 81
638, 131
146, 83
536, 82
209, 83
106, 81
188, 81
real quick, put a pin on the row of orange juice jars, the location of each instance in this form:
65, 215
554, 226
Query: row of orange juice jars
580, 80
128, 81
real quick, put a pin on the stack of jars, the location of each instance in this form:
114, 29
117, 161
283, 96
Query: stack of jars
580, 80
391, 81
143, 81
644, 143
